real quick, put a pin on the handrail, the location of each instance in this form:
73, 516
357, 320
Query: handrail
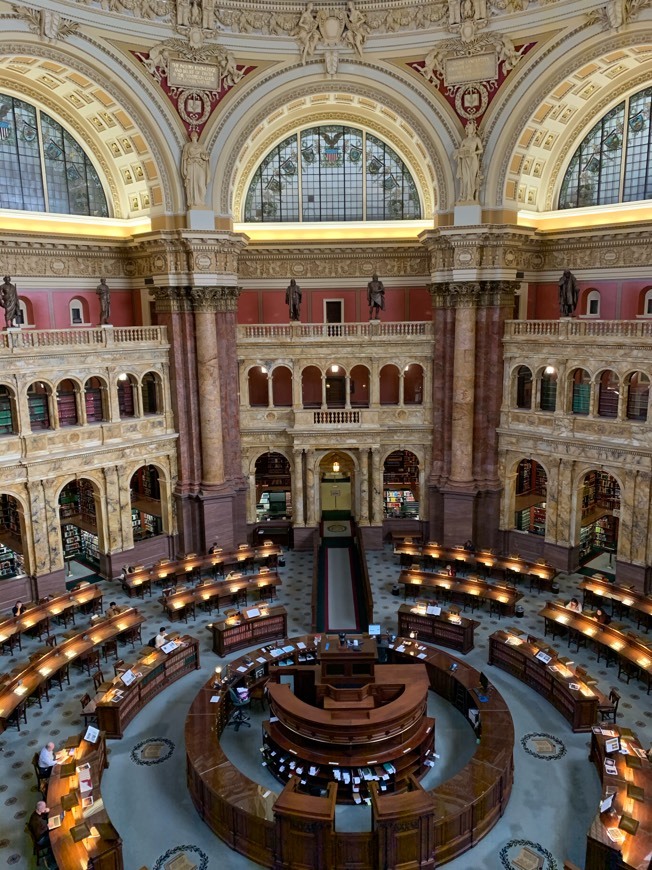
16, 340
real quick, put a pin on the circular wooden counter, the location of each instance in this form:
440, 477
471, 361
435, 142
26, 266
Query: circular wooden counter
456, 814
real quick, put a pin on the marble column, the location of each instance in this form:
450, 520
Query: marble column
208, 387
461, 471
251, 499
297, 489
363, 516
310, 488
377, 488
347, 392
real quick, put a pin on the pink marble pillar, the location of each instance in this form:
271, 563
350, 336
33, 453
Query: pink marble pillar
461, 471
208, 390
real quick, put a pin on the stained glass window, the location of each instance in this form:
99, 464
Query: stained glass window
42, 168
332, 173
613, 162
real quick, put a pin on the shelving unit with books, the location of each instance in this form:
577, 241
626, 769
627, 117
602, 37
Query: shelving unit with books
71, 540
67, 408
530, 501
401, 485
89, 547
600, 506
229, 636
6, 414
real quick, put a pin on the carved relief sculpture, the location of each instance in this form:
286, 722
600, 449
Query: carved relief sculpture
357, 29
47, 24
307, 33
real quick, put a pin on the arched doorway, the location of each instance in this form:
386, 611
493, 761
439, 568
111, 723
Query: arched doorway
599, 508
11, 538
273, 487
401, 485
146, 508
336, 477
530, 497
80, 525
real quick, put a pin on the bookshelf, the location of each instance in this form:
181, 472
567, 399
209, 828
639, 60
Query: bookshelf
67, 408
442, 629
401, 503
145, 525
71, 540
89, 547
230, 635
600, 499
7, 562
125, 398
6, 418
530, 501
39, 413
401, 485
93, 402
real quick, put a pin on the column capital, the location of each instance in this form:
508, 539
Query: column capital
220, 298
471, 294
171, 299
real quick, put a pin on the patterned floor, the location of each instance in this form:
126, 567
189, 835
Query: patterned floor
554, 798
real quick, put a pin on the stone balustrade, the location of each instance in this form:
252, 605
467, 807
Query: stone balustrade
118, 337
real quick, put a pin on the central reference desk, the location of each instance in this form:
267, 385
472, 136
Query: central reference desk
415, 829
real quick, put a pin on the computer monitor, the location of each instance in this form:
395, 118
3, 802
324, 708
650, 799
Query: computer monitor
612, 744
484, 681
374, 629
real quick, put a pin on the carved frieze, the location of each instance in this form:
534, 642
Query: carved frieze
333, 263
49, 25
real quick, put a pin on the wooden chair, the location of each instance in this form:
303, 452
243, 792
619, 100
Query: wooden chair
119, 667
257, 694
89, 661
132, 635
63, 673
88, 710
19, 713
110, 647
41, 853
36, 696
609, 711
51, 640
627, 669
98, 679
41, 781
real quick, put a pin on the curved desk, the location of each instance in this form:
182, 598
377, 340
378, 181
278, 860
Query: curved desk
434, 826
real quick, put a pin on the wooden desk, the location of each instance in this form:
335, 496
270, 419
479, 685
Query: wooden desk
514, 654
34, 673
100, 853
633, 851
228, 590
230, 635
445, 629
194, 565
503, 599
155, 671
484, 559
63, 606
463, 809
624, 646
596, 590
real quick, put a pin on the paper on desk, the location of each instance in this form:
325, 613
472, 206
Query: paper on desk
261, 660
288, 649
301, 644
276, 653
400, 648
242, 669
215, 699
422, 656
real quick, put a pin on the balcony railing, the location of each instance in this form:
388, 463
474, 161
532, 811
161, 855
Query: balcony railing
328, 331
97, 337
556, 330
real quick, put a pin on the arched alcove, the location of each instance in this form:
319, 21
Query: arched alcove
146, 503
273, 486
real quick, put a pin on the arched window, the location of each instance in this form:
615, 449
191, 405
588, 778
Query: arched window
94, 397
42, 168
38, 403
389, 389
593, 303
78, 312
523, 387
258, 395
25, 315
608, 395
647, 303
597, 173
359, 376
311, 387
548, 397
151, 393
7, 411
126, 398
67, 403
332, 173
581, 385
282, 387
638, 396
335, 387
413, 385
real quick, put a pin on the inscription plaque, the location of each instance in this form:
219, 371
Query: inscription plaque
193, 75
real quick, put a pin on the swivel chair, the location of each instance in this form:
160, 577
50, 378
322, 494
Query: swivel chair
238, 716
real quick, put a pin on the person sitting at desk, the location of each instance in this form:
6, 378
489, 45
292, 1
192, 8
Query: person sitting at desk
450, 570
113, 609
602, 617
18, 609
46, 761
214, 547
574, 605
161, 638
38, 824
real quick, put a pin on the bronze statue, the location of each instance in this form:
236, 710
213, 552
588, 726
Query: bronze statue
105, 301
293, 299
375, 297
9, 301
568, 294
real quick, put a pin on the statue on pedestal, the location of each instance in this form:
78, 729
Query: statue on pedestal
293, 299
105, 301
468, 164
9, 301
195, 169
568, 294
375, 297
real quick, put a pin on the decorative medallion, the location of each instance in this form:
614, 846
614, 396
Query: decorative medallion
526, 855
547, 747
154, 750
182, 858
